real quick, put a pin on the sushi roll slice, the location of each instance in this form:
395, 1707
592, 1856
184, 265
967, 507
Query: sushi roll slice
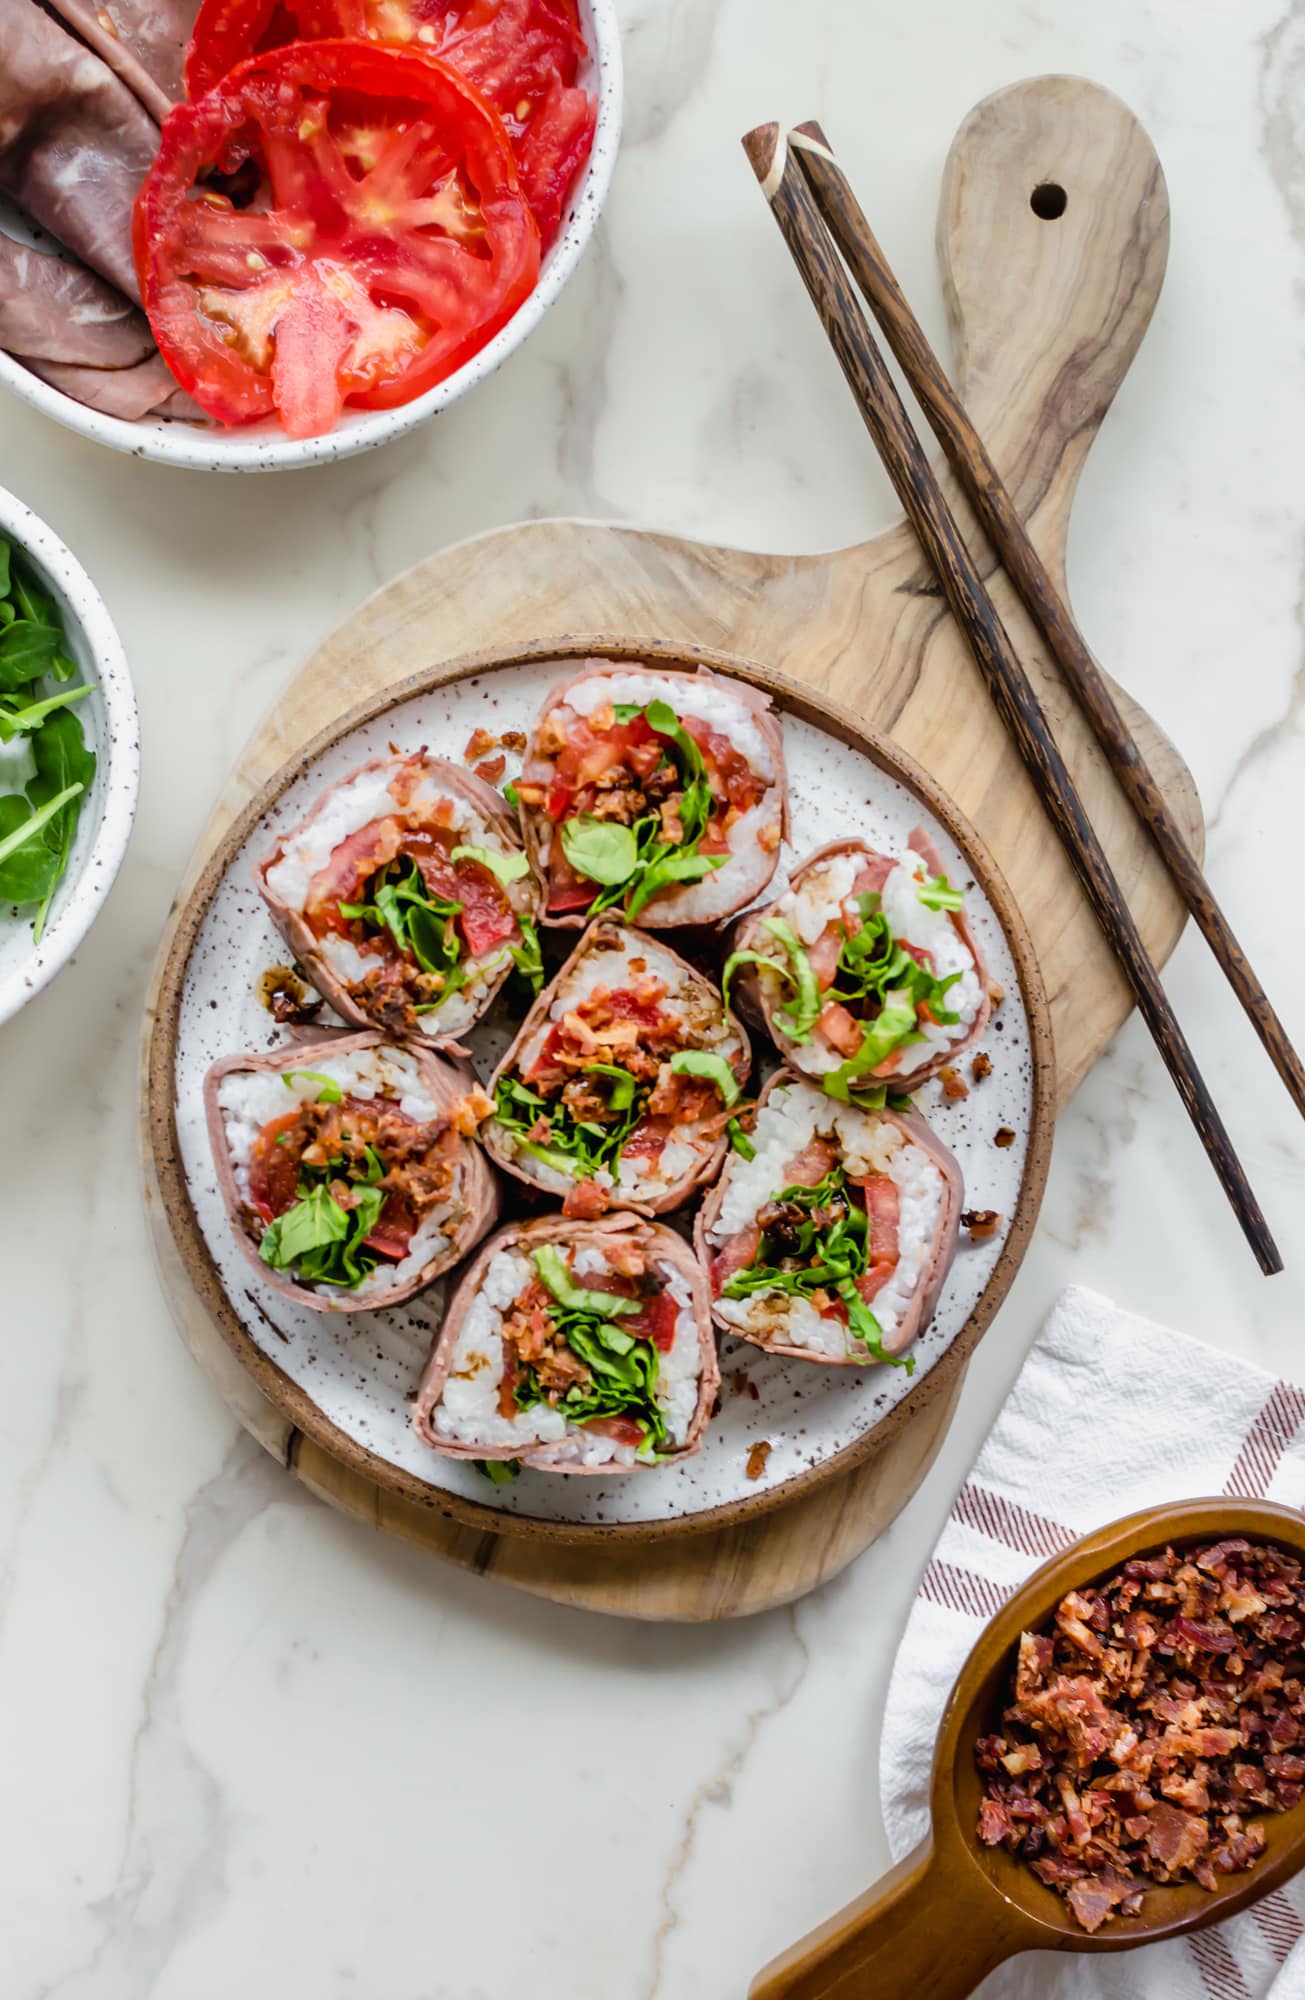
406, 896
657, 793
619, 1088
574, 1347
865, 970
832, 1242
348, 1167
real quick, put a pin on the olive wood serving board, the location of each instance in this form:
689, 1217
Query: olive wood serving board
1046, 315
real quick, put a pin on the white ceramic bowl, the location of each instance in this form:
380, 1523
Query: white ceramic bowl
108, 719
264, 447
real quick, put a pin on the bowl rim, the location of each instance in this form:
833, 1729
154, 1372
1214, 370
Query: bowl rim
195, 448
117, 751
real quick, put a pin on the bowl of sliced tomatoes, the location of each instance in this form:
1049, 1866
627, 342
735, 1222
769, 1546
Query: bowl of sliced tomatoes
356, 212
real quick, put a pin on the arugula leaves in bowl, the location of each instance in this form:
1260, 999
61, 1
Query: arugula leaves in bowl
46, 770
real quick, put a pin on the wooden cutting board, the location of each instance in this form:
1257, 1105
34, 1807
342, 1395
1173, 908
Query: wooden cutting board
1046, 315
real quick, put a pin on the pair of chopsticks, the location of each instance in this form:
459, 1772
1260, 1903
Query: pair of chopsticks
828, 236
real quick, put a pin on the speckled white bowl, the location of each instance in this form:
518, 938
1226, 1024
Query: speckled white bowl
108, 718
264, 447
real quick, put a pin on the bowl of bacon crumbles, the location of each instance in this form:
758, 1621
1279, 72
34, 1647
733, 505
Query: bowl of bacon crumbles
1142, 1754
299, 229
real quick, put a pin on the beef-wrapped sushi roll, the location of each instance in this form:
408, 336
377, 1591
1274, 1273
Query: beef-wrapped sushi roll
655, 792
831, 1243
406, 896
349, 1168
574, 1347
865, 970
619, 1088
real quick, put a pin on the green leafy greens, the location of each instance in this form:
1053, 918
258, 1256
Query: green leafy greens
321, 1241
632, 864
52, 769
421, 924
623, 1368
826, 1249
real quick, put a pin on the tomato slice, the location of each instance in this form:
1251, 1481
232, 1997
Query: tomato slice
386, 240
523, 56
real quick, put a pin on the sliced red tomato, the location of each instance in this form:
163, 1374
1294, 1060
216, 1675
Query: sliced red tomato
487, 918
274, 1169
387, 238
655, 1321
523, 56
394, 1229
883, 1213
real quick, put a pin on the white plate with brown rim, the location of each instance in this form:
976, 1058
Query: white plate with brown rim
347, 1380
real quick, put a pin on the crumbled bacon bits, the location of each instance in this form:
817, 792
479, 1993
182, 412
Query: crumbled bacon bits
1003, 1136
479, 744
954, 1086
981, 1066
1162, 1711
491, 769
758, 1454
471, 1111
981, 1223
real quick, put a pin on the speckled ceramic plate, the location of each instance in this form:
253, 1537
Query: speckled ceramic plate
348, 1380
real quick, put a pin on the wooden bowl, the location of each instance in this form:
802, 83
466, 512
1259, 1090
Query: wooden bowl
953, 1910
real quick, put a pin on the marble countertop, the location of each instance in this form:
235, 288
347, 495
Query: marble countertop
246, 1744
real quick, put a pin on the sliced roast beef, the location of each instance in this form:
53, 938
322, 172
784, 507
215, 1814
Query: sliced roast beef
148, 389
143, 40
52, 311
75, 144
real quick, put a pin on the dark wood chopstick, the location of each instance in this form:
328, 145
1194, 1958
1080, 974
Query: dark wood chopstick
1000, 520
795, 210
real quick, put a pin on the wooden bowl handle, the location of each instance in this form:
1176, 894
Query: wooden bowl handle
912, 1933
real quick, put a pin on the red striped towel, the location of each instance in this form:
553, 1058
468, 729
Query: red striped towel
1109, 1413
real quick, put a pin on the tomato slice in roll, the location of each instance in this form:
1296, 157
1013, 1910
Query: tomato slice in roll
523, 56
334, 223
865, 970
654, 792
574, 1347
831, 1239
620, 1086
406, 896
348, 1168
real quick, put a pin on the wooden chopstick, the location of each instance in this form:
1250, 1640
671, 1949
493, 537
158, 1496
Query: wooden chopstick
794, 207
1000, 520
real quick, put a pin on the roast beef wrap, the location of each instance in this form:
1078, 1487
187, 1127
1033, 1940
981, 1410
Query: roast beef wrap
406, 896
865, 970
655, 792
619, 1088
574, 1347
349, 1167
831, 1243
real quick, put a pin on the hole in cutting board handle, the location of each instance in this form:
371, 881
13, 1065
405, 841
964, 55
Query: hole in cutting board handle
1048, 201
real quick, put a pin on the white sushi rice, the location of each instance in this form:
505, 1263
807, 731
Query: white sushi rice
790, 1119
639, 1178
468, 1414
818, 900
250, 1099
366, 797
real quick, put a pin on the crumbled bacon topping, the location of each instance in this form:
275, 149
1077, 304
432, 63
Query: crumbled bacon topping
954, 1086
981, 1223
758, 1455
479, 744
981, 1065
1163, 1709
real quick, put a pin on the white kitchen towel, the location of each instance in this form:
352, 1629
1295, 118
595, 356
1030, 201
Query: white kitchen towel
1109, 1413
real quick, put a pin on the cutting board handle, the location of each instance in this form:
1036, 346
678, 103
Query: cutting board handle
1053, 231
922, 1929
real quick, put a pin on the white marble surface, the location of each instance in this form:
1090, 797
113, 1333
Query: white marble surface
247, 1745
